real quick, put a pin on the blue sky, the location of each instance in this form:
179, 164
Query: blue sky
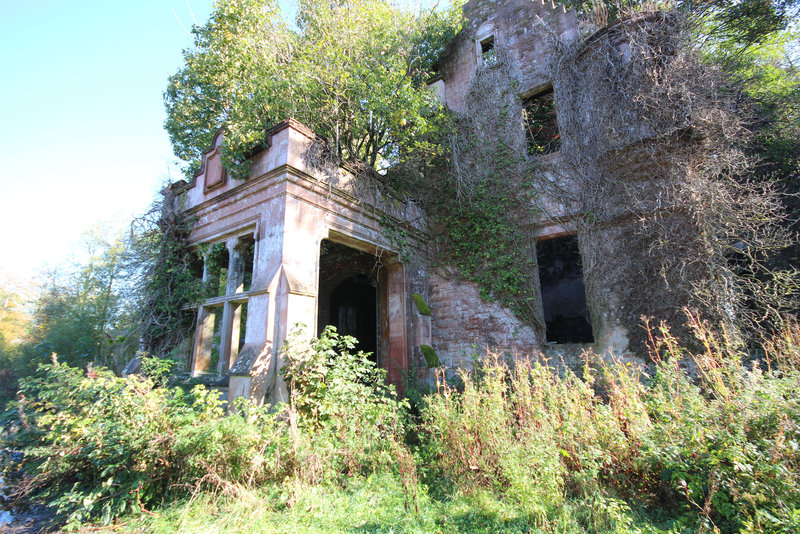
81, 118
81, 137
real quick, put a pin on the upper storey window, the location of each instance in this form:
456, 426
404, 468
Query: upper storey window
488, 51
541, 126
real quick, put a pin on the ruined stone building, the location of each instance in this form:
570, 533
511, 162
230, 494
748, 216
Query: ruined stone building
296, 243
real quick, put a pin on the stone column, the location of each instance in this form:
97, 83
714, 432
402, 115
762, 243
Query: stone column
397, 357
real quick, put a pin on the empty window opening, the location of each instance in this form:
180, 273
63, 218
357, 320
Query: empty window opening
195, 265
566, 315
488, 51
215, 363
541, 126
247, 247
348, 295
222, 317
217, 270
242, 318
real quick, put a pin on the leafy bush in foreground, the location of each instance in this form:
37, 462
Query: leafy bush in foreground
346, 419
96, 446
516, 447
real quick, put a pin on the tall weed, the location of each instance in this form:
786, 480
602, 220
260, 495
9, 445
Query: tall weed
715, 448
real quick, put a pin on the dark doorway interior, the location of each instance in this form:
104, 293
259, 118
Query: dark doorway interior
353, 311
348, 296
563, 292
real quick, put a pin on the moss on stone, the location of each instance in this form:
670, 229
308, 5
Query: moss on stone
431, 358
422, 306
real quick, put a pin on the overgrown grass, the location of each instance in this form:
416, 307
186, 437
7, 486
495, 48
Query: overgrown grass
516, 447
374, 504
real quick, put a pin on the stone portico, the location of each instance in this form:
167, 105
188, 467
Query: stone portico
272, 227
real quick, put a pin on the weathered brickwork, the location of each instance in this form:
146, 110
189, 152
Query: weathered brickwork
515, 27
465, 325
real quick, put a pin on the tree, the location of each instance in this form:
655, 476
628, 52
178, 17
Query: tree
14, 316
15, 325
83, 311
354, 71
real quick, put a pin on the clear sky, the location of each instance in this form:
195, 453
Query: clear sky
81, 136
81, 117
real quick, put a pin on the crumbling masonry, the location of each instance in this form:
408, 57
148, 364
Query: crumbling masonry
299, 244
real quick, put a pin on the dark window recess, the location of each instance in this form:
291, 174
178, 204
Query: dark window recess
248, 247
563, 293
541, 126
216, 343
488, 52
196, 265
242, 324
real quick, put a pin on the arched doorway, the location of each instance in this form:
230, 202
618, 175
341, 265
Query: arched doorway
363, 294
349, 294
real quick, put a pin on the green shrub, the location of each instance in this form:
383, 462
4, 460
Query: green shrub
97, 446
620, 449
522, 431
716, 449
725, 444
346, 419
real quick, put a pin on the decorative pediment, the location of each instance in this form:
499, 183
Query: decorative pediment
213, 170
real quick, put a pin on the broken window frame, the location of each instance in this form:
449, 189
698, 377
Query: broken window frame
541, 123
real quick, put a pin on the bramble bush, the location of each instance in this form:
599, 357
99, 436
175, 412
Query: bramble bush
95, 446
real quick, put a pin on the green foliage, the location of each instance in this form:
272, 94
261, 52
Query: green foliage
541, 125
343, 405
715, 453
156, 369
85, 311
169, 277
473, 179
15, 329
516, 447
742, 23
352, 71
486, 245
94, 444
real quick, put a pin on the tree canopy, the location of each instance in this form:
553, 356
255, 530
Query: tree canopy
354, 71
